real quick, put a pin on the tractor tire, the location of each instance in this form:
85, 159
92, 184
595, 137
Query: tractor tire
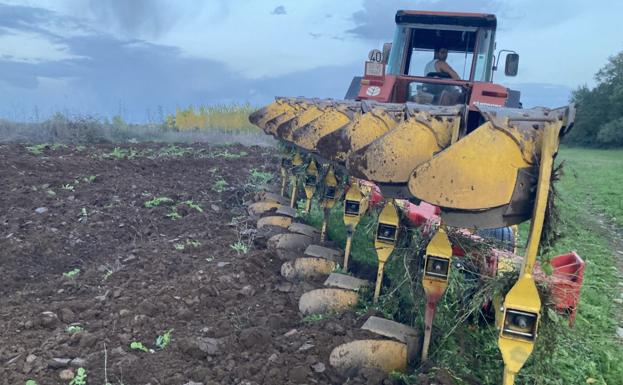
505, 236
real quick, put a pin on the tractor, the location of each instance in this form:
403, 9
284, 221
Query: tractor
426, 127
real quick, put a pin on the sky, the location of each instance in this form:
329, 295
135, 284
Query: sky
141, 59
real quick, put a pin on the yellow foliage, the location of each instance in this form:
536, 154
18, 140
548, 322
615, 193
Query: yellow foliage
234, 118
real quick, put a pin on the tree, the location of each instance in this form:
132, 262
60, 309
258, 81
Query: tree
599, 119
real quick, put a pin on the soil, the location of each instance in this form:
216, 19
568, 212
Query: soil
234, 319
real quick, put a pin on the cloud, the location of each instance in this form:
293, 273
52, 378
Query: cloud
280, 10
149, 18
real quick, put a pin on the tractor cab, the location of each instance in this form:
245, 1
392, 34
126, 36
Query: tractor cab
407, 70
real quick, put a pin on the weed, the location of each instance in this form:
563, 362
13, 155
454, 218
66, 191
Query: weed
89, 179
50, 193
72, 273
136, 345
192, 243
158, 201
258, 178
193, 205
179, 246
31, 382
80, 378
240, 247
163, 340
174, 215
121, 153
220, 185
37, 149
68, 187
58, 146
73, 329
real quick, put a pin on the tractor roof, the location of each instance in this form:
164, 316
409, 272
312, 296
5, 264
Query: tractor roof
447, 18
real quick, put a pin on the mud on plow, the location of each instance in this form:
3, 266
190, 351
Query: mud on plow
413, 165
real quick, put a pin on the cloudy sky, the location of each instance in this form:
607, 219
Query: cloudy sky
138, 57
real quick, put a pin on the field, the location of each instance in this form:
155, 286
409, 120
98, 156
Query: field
108, 251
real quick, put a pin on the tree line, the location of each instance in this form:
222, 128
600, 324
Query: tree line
599, 117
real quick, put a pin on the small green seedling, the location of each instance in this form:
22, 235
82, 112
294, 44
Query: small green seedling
259, 177
72, 273
174, 215
163, 340
179, 246
89, 179
193, 205
31, 382
68, 187
158, 201
240, 247
139, 346
192, 243
36, 149
73, 329
80, 378
220, 185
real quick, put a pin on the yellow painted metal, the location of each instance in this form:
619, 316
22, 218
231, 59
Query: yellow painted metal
392, 157
365, 128
477, 172
385, 241
274, 220
330, 189
259, 208
355, 205
327, 300
311, 178
270, 112
307, 136
328, 199
522, 305
310, 113
385, 355
297, 161
435, 278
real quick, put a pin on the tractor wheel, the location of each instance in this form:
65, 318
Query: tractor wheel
505, 236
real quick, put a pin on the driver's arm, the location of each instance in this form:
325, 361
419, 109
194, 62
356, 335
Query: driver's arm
442, 66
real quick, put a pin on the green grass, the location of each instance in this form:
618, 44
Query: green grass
595, 177
587, 353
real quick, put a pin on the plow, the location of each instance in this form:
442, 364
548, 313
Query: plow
428, 152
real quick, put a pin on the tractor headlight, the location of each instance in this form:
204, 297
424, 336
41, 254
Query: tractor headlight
520, 324
436, 267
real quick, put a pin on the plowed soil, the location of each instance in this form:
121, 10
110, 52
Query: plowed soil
234, 319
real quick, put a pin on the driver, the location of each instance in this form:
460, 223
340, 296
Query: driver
438, 64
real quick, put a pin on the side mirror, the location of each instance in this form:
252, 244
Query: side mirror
512, 64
